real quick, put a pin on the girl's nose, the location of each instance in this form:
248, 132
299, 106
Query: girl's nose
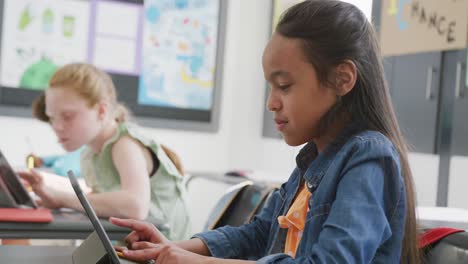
273, 104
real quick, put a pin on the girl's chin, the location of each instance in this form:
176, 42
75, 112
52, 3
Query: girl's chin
69, 148
293, 141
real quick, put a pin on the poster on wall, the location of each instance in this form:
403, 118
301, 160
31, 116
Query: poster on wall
179, 53
114, 44
411, 26
27, 25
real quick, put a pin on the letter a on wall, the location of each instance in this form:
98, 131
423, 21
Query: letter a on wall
411, 26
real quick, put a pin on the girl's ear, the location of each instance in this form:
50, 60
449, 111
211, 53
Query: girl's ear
346, 75
103, 108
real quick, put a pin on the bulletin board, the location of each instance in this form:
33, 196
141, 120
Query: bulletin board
165, 57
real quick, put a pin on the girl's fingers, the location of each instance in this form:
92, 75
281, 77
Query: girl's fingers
120, 248
143, 254
143, 245
142, 231
25, 176
32, 177
129, 223
131, 238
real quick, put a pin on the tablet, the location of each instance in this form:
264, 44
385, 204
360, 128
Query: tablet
6, 199
12, 191
112, 255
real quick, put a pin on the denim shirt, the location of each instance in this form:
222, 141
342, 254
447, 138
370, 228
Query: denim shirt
356, 210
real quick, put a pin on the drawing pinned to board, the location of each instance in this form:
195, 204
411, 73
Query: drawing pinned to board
179, 53
38, 74
48, 21
40, 35
68, 26
25, 18
115, 44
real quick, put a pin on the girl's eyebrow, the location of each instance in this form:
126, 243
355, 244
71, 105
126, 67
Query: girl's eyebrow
278, 73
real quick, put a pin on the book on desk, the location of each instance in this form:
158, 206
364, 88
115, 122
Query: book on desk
30, 215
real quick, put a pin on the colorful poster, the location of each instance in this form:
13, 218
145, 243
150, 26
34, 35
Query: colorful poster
38, 36
179, 53
412, 26
114, 42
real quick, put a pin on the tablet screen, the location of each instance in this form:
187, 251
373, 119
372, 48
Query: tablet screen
6, 199
14, 185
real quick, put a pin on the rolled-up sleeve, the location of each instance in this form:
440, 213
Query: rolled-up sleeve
248, 241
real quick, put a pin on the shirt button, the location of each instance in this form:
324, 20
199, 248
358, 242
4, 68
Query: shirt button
311, 186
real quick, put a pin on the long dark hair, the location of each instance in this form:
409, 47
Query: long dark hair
332, 32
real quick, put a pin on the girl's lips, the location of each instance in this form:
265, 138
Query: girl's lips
280, 124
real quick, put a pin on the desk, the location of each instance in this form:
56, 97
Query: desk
66, 225
36, 254
431, 217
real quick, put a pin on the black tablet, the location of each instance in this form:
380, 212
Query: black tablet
12, 191
112, 255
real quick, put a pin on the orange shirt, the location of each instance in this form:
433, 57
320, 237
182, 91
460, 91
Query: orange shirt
295, 220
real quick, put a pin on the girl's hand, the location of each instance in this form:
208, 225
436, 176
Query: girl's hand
142, 232
49, 197
146, 242
163, 254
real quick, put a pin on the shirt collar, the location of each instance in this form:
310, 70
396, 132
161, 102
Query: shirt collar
313, 165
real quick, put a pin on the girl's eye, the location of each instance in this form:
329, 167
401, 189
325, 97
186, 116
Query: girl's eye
284, 87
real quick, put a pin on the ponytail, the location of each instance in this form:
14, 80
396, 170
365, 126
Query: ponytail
122, 114
38, 108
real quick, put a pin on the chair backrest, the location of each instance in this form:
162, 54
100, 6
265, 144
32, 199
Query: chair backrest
451, 249
239, 204
202, 195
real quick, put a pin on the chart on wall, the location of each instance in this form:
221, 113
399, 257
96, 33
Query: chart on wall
28, 24
179, 53
114, 44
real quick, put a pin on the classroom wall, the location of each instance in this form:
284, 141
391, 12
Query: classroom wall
238, 142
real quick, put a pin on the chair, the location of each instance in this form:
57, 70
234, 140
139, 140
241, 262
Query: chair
202, 195
450, 248
239, 204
